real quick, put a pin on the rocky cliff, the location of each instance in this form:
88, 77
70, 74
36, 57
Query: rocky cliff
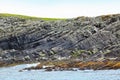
85, 38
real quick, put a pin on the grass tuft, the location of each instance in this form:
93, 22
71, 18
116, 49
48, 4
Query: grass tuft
29, 17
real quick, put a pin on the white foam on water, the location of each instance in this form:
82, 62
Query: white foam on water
12, 73
32, 65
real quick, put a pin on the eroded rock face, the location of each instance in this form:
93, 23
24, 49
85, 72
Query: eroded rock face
35, 40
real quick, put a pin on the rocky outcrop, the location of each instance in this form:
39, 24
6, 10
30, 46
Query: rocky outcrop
76, 65
84, 38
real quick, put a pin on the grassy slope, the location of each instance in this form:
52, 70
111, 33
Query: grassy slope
28, 17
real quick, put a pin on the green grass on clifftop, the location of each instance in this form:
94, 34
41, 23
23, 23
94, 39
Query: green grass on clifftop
28, 17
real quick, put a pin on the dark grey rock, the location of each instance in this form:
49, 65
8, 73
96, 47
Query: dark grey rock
28, 40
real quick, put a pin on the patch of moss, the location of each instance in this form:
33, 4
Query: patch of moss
77, 53
105, 17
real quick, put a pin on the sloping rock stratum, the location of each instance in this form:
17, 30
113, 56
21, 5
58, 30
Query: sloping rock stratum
84, 38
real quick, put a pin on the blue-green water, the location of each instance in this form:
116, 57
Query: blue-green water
12, 73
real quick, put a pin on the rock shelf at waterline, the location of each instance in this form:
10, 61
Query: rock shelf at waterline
75, 65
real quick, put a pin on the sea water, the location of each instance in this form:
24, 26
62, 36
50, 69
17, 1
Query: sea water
12, 73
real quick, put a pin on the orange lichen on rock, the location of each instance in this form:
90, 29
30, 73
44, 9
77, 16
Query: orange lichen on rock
116, 66
62, 65
68, 65
109, 65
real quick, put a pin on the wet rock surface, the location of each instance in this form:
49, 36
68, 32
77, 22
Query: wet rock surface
84, 38
76, 65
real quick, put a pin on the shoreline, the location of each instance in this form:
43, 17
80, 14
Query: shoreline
68, 65
73, 65
3, 64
